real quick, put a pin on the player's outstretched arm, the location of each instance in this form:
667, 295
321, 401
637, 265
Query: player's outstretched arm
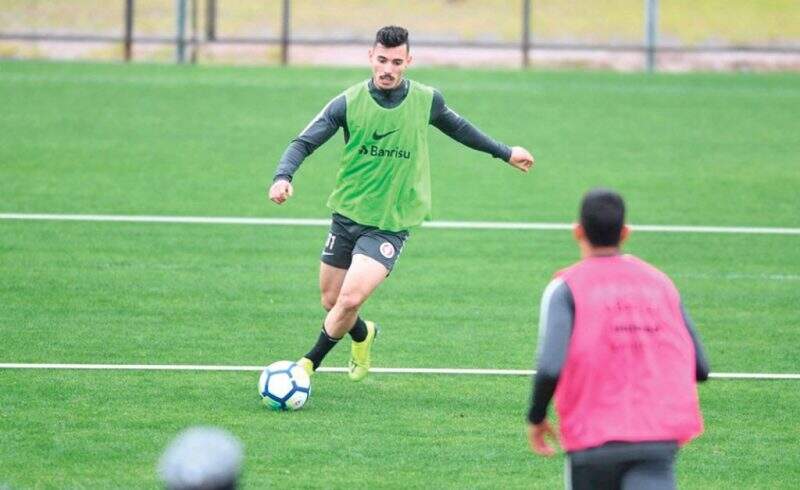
280, 191
521, 158
461, 130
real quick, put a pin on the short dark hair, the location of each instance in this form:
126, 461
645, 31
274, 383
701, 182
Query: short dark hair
392, 36
602, 217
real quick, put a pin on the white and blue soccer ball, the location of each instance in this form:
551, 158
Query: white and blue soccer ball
284, 385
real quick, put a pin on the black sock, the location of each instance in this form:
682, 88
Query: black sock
359, 331
324, 344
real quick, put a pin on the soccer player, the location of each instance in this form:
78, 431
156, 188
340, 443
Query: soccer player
382, 189
622, 357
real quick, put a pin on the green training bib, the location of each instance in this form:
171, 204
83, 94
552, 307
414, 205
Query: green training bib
384, 179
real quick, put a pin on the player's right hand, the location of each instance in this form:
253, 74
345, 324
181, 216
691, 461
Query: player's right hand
280, 191
537, 438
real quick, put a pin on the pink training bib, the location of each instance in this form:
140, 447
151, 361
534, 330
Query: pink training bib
629, 374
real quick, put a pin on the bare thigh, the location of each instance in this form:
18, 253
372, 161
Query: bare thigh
330, 284
363, 277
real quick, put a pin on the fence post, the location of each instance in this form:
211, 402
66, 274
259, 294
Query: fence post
128, 42
285, 32
180, 31
526, 31
651, 33
193, 31
211, 20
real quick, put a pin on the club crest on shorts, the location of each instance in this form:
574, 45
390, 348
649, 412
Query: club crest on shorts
387, 250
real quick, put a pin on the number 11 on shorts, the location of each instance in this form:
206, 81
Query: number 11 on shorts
329, 241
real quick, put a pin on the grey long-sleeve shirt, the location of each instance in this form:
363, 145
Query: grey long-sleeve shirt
334, 115
555, 330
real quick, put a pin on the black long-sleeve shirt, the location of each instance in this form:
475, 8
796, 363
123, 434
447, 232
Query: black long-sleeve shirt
334, 116
557, 314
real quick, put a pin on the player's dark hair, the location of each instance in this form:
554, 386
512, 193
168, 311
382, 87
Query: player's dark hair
392, 36
602, 217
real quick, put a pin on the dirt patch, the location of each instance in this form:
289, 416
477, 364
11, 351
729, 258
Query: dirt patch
423, 56
601, 60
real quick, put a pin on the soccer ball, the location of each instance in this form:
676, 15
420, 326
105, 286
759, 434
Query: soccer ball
284, 385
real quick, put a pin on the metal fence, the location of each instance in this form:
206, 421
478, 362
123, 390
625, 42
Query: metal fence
188, 27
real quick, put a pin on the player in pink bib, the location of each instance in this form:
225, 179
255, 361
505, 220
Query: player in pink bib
622, 357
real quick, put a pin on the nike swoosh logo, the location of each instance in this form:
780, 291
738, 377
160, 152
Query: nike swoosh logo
377, 136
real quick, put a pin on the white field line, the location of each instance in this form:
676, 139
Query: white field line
478, 372
167, 219
458, 225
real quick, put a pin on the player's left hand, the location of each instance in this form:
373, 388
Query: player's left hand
521, 158
536, 438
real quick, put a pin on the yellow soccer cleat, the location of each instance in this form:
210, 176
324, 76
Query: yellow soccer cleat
360, 358
307, 365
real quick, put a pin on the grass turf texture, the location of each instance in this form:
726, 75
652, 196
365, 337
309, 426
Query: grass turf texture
201, 294
691, 149
445, 432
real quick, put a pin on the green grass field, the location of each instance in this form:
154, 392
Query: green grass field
191, 141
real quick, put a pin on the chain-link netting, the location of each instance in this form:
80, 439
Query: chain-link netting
484, 31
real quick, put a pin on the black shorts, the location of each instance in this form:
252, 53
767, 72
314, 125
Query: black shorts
348, 238
623, 465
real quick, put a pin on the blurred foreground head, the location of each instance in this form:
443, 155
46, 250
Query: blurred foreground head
201, 458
